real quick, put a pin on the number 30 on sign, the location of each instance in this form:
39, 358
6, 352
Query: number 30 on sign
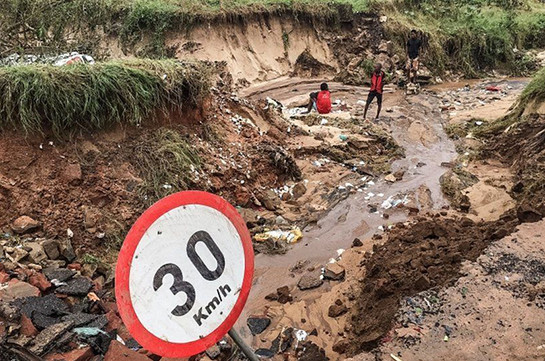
184, 273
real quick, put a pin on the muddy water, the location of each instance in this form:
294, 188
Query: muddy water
416, 124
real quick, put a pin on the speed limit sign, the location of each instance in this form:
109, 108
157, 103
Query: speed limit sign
184, 273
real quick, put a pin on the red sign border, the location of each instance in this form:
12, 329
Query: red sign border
124, 303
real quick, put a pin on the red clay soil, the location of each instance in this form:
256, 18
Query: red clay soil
89, 184
421, 256
523, 148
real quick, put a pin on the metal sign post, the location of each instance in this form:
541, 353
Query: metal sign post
246, 350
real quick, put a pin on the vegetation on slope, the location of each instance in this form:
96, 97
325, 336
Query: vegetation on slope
469, 35
466, 35
36, 98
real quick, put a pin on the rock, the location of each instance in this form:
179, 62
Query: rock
390, 178
310, 281
528, 214
258, 324
282, 295
269, 199
60, 274
337, 309
27, 327
399, 175
66, 250
81, 354
24, 224
265, 353
357, 243
17, 289
72, 174
213, 352
283, 341
80, 318
44, 311
37, 254
91, 216
40, 281
47, 337
423, 283
299, 190
312, 352
118, 352
18, 254
334, 272
51, 248
79, 286
89, 270
100, 322
341, 347
386, 47
9, 312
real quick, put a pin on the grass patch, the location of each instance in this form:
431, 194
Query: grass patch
470, 36
167, 162
37, 98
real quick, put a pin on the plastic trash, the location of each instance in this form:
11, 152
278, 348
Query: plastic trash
323, 121
343, 137
291, 236
89, 331
301, 335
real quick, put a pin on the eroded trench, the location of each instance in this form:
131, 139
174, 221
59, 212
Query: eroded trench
417, 123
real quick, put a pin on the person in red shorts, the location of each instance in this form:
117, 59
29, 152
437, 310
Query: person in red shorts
377, 87
321, 101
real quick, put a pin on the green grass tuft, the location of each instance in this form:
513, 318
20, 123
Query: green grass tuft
167, 163
471, 36
38, 98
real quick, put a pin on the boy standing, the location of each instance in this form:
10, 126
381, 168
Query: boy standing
377, 87
413, 51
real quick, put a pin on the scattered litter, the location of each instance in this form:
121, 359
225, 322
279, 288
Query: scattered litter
395, 357
492, 88
323, 121
69, 233
301, 335
392, 203
343, 137
479, 123
58, 283
291, 236
89, 331
340, 251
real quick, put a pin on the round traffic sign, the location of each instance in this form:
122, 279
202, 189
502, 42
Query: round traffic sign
184, 273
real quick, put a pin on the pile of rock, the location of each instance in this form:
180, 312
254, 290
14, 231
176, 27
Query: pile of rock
56, 306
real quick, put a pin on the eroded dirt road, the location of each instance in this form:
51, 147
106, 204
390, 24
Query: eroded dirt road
374, 204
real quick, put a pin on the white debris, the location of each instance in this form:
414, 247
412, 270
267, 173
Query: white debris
301, 335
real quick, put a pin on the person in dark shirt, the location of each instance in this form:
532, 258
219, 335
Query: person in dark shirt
377, 87
413, 51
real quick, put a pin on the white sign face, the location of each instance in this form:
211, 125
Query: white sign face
186, 273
